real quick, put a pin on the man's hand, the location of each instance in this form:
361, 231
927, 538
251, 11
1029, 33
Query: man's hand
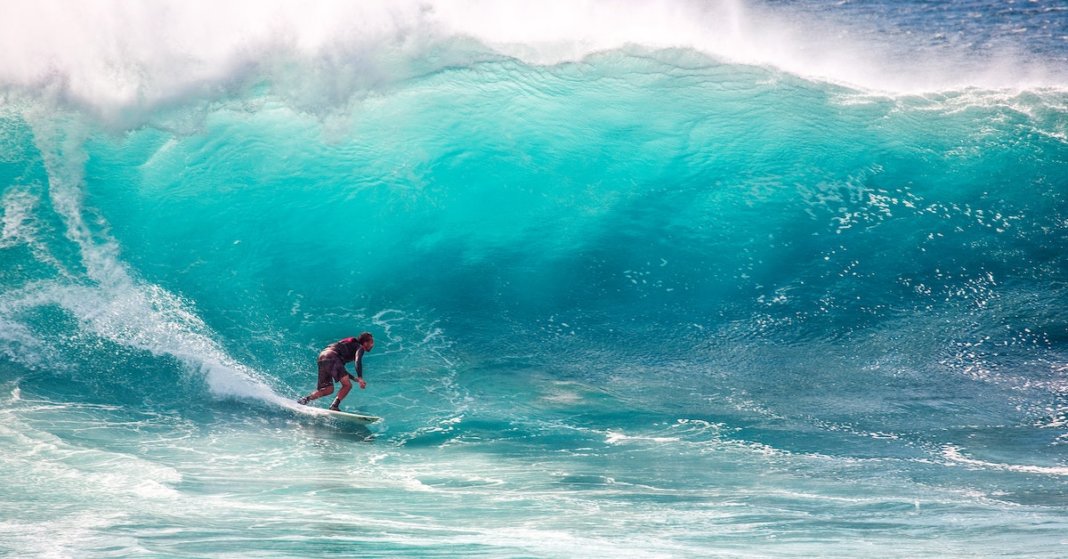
363, 383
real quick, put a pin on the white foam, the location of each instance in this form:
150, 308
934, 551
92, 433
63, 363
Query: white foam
615, 437
17, 342
954, 454
117, 55
21, 226
98, 470
65, 479
18, 208
109, 301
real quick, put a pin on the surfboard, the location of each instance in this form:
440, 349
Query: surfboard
355, 417
331, 414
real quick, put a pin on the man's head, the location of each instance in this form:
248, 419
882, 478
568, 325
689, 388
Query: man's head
366, 340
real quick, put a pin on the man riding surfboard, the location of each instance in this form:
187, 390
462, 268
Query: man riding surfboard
332, 368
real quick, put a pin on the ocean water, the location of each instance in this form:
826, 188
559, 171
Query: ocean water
647, 279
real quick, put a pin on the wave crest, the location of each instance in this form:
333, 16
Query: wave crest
120, 59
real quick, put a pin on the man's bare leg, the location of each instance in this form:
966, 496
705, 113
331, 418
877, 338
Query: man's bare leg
324, 391
346, 386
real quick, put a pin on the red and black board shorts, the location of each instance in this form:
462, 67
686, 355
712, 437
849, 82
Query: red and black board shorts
331, 369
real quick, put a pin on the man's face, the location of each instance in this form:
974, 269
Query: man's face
368, 345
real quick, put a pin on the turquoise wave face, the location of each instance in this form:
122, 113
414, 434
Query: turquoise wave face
556, 257
662, 199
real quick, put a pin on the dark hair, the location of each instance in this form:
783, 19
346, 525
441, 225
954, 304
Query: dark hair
366, 336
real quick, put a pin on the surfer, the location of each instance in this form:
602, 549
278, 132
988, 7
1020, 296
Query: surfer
332, 368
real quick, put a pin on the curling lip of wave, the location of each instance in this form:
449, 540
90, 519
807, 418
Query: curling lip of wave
114, 56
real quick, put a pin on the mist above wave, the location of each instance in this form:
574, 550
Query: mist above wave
120, 58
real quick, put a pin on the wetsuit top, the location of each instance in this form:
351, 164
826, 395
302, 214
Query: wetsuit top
349, 350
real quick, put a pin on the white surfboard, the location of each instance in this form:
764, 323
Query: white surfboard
331, 414
354, 417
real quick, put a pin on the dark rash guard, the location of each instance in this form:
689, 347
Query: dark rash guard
349, 350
